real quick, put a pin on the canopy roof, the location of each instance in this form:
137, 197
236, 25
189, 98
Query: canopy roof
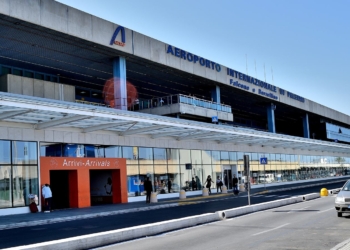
46, 113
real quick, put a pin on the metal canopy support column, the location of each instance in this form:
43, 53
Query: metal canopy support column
119, 76
271, 118
306, 126
215, 94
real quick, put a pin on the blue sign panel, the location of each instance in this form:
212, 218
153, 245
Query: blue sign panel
214, 119
263, 160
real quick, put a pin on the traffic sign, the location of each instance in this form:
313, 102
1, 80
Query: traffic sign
263, 160
214, 119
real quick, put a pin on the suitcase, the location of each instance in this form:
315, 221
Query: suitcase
33, 208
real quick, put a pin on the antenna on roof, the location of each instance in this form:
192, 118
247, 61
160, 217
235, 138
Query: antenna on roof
256, 74
272, 74
264, 72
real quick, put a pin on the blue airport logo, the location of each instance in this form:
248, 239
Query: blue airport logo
116, 32
192, 58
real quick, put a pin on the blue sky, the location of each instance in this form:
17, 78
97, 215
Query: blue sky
304, 45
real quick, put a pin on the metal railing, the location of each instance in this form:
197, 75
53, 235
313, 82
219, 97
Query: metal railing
173, 99
141, 104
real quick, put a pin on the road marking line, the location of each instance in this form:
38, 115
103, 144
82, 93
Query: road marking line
270, 195
326, 210
258, 195
271, 229
284, 195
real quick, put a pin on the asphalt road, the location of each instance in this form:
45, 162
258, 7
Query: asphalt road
31, 235
307, 225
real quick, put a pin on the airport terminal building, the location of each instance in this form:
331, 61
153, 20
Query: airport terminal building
93, 108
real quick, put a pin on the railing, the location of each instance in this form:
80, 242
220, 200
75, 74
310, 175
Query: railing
173, 99
141, 104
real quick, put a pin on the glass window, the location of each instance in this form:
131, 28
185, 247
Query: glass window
146, 155
25, 182
51, 150
54, 79
113, 152
5, 187
174, 176
224, 156
215, 155
39, 76
196, 157
5, 156
173, 156
47, 78
233, 157
24, 152
17, 72
5, 70
160, 156
185, 156
131, 155
28, 74
206, 157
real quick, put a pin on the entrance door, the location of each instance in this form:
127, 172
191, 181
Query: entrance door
59, 184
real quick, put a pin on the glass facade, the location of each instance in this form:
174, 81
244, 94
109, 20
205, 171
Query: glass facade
18, 173
167, 167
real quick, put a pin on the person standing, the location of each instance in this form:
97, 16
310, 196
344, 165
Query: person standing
226, 180
194, 184
169, 185
148, 188
234, 183
47, 195
208, 183
198, 183
218, 184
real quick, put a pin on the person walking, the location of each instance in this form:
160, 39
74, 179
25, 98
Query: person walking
218, 184
208, 183
148, 188
234, 184
47, 195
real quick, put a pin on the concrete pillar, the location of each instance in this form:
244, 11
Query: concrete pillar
306, 126
119, 76
271, 118
215, 94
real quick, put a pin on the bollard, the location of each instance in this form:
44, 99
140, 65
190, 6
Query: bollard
182, 194
241, 188
154, 197
324, 192
224, 189
205, 192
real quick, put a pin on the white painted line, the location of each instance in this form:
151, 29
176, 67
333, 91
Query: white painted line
271, 195
258, 195
271, 229
283, 195
326, 210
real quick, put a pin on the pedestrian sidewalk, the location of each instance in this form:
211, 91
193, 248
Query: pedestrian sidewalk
33, 219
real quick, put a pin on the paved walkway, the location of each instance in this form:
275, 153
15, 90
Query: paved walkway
33, 219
